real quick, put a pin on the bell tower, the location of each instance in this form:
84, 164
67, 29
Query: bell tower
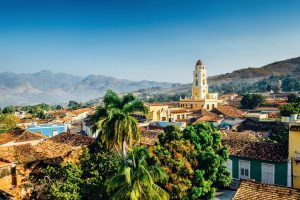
200, 87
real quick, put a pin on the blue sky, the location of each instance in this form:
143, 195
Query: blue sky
146, 39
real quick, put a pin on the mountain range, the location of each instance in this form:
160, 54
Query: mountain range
59, 88
238, 79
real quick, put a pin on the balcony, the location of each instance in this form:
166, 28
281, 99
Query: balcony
297, 156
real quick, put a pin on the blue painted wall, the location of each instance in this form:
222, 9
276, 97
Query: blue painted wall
47, 129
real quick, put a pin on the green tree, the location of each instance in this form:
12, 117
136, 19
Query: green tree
59, 182
251, 101
58, 107
288, 109
8, 121
136, 180
292, 98
194, 160
8, 110
73, 105
98, 165
114, 121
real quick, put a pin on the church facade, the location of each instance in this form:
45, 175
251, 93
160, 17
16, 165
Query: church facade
201, 98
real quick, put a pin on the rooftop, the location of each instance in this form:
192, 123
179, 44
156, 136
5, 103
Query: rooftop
58, 146
199, 63
252, 190
82, 110
19, 135
228, 111
257, 150
208, 117
244, 135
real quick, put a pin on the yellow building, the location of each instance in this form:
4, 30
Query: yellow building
163, 112
294, 153
201, 98
179, 114
158, 112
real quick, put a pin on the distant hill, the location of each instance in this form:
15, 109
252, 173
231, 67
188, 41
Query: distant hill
237, 81
282, 68
56, 88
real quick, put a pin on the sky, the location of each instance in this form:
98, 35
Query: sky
158, 40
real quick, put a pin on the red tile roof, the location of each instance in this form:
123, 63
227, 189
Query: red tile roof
19, 135
228, 111
250, 190
257, 150
58, 146
82, 110
208, 117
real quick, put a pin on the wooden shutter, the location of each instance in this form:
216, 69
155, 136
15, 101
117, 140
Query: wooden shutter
267, 173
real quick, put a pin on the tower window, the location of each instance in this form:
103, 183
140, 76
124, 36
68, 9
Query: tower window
196, 75
196, 81
203, 82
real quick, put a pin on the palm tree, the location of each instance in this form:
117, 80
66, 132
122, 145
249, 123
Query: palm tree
136, 180
115, 122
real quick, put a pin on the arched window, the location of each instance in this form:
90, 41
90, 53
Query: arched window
203, 81
196, 81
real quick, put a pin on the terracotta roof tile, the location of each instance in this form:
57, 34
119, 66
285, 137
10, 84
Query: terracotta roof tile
58, 146
81, 110
257, 150
208, 117
274, 115
73, 139
250, 190
228, 111
245, 135
19, 135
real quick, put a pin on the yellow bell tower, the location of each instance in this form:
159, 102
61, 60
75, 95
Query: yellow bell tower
200, 87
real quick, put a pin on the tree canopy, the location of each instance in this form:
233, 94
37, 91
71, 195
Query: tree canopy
115, 122
251, 101
136, 179
8, 121
194, 160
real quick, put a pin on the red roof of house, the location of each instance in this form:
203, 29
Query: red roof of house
208, 117
228, 111
251, 190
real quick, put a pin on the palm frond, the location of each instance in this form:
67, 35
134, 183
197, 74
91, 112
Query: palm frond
135, 106
159, 193
127, 174
112, 100
116, 182
122, 193
128, 98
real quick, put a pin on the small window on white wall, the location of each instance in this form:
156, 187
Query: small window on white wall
267, 173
